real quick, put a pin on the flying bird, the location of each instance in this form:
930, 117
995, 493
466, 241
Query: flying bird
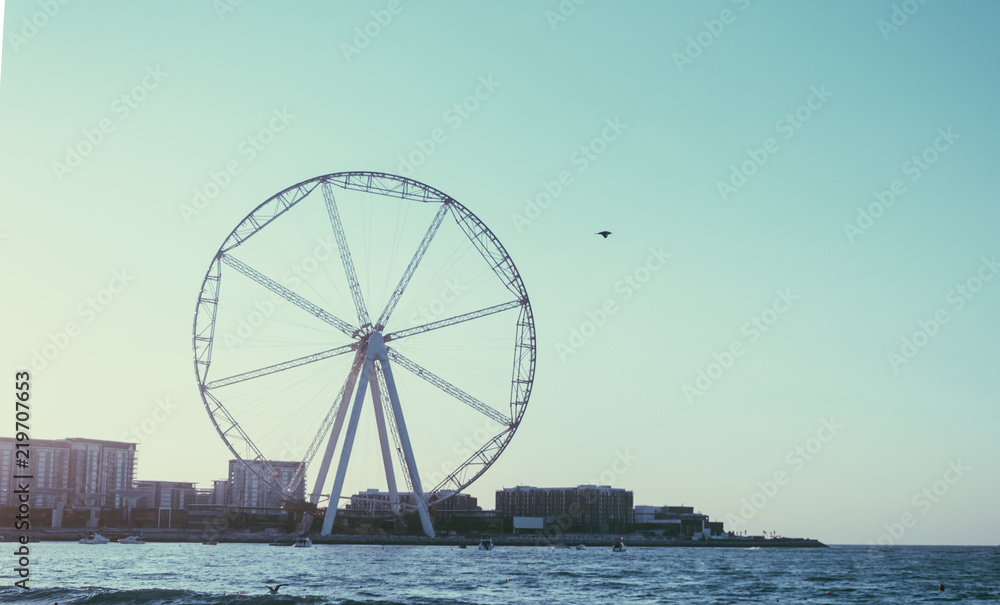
604, 233
274, 589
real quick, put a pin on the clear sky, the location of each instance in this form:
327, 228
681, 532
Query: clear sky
799, 285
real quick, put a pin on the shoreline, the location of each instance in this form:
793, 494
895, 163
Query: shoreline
559, 541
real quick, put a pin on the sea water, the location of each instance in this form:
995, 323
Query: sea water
195, 574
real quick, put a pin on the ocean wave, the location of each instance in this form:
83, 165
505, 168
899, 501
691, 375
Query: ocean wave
148, 596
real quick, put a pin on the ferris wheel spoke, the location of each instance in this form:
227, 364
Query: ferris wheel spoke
447, 387
292, 297
412, 267
278, 367
444, 323
345, 255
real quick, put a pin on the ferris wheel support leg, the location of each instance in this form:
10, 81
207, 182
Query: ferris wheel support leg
345, 453
338, 425
404, 438
383, 438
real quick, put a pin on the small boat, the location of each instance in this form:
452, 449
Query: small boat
303, 542
461, 545
581, 547
210, 543
96, 538
132, 540
619, 545
486, 543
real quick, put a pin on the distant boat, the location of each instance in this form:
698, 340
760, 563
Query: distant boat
581, 547
619, 545
210, 543
303, 542
132, 540
96, 538
486, 543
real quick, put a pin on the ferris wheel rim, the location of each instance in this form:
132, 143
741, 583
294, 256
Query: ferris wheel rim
523, 370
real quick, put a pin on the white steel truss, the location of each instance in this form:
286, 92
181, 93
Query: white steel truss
372, 368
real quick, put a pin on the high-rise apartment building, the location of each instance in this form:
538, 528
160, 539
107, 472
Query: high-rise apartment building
73, 474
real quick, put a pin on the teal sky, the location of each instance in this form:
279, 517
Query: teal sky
877, 103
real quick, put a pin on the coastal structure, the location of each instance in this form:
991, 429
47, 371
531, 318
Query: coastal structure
48, 465
676, 521
591, 509
372, 512
160, 504
251, 494
89, 483
375, 503
73, 479
166, 494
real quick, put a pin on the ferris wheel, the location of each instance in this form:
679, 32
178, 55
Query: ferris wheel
290, 350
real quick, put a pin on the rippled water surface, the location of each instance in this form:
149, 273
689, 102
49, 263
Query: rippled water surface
192, 574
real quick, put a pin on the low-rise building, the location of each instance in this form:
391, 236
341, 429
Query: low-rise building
160, 504
677, 522
247, 490
596, 509
375, 503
